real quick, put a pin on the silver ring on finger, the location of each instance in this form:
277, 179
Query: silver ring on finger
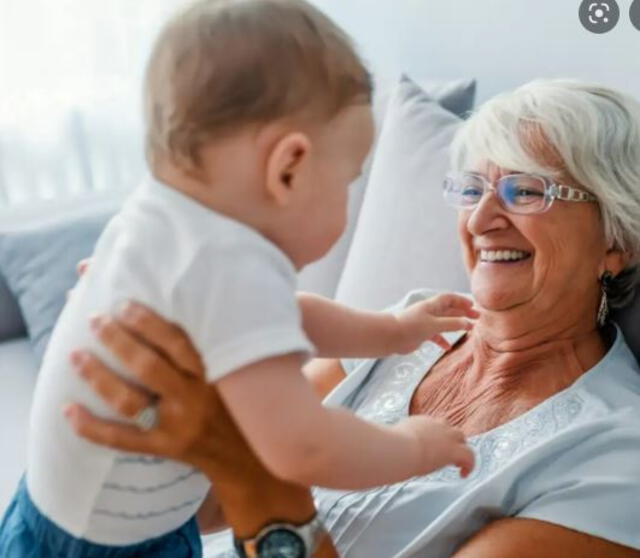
147, 418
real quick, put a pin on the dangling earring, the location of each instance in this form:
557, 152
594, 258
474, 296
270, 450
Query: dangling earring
603, 309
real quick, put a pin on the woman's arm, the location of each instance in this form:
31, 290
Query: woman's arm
324, 375
194, 425
530, 538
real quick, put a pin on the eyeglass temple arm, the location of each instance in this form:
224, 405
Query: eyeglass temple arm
568, 193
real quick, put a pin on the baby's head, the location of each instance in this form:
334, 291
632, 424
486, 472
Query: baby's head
264, 108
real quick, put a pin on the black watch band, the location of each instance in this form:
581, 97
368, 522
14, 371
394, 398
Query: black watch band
239, 546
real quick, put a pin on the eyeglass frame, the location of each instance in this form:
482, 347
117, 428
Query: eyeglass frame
552, 191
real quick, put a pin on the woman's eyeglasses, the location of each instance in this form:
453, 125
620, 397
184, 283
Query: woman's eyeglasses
516, 193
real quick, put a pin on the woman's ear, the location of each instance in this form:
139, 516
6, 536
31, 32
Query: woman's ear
616, 261
284, 166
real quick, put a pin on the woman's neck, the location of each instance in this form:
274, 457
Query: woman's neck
525, 355
502, 369
510, 343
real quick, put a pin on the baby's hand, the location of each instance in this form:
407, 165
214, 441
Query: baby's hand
437, 445
428, 318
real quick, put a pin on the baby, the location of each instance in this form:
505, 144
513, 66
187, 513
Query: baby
258, 118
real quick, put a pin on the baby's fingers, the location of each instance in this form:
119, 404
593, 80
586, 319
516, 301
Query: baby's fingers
465, 460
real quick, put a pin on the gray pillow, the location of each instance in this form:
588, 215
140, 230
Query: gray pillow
456, 96
628, 318
39, 266
406, 237
11, 322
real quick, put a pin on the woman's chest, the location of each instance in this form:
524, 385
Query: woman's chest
506, 452
445, 393
497, 426
436, 510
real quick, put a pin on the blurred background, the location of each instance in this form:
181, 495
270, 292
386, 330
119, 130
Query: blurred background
70, 71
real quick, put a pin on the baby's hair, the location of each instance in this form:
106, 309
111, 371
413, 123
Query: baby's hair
223, 64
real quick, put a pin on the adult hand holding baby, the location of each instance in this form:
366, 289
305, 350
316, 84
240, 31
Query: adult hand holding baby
194, 426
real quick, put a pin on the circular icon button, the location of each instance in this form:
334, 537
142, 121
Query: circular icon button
634, 14
599, 17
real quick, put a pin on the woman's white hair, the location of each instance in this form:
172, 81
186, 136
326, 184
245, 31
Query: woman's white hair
567, 129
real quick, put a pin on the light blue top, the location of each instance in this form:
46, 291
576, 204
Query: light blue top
573, 460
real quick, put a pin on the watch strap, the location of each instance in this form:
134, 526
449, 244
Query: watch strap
311, 533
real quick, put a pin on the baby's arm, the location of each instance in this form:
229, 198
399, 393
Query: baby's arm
301, 441
339, 331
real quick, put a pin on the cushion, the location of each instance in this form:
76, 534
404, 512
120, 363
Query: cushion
39, 265
406, 235
628, 319
37, 214
11, 322
457, 96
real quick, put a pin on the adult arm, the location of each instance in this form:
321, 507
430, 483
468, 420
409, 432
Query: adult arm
531, 538
583, 503
324, 374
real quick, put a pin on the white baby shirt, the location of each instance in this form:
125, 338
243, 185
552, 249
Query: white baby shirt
227, 286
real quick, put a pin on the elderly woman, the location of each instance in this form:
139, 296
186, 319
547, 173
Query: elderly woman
547, 184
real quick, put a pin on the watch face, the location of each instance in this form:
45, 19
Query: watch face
281, 543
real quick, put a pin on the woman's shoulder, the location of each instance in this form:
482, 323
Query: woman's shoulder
615, 380
586, 477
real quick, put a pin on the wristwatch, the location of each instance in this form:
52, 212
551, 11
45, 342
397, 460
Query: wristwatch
283, 540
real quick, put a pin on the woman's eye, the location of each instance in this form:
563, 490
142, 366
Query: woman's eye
521, 194
524, 192
471, 192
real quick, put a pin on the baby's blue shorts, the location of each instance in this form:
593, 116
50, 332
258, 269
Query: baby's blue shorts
26, 533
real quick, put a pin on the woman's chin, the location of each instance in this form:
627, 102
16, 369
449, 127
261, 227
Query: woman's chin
496, 298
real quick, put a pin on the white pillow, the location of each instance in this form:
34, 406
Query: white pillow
323, 276
406, 236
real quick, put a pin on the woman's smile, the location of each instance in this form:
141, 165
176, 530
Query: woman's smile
503, 256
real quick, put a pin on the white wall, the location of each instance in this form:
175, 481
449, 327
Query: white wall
503, 43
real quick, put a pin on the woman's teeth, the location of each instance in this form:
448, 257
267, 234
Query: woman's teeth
502, 255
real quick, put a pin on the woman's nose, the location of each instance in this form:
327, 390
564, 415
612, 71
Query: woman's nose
487, 215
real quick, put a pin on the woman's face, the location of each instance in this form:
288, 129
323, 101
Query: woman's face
564, 253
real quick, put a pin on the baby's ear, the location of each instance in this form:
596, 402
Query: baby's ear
284, 166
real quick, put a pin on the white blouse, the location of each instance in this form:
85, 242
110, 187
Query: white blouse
572, 460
